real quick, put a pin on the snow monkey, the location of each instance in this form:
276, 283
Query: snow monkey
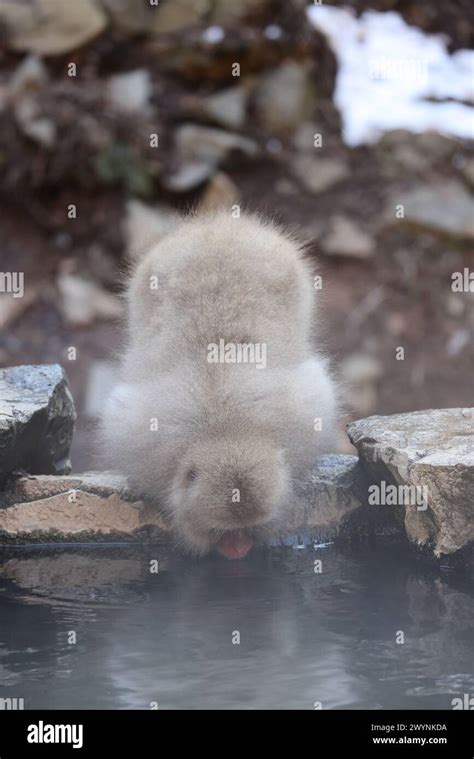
223, 403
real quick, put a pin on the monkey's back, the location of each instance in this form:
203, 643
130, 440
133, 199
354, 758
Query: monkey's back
240, 281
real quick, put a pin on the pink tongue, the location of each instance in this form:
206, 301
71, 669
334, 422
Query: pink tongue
235, 545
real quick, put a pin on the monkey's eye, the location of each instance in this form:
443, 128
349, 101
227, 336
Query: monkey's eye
191, 475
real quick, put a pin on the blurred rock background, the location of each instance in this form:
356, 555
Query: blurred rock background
116, 114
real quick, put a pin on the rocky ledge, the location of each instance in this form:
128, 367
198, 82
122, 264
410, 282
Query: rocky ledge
413, 477
37, 419
99, 506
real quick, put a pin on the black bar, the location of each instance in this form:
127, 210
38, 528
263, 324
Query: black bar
154, 733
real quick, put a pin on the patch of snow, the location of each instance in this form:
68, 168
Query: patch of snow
213, 35
388, 70
273, 32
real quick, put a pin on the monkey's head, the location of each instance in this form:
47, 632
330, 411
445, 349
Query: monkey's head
226, 494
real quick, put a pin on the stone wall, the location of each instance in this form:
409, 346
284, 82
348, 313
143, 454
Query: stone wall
414, 477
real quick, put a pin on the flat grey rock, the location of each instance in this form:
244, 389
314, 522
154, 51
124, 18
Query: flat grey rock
431, 452
330, 494
444, 207
37, 418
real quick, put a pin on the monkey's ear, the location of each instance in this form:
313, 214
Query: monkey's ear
145, 226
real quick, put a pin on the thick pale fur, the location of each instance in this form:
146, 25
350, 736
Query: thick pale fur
221, 426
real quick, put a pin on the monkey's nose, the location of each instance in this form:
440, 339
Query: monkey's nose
247, 513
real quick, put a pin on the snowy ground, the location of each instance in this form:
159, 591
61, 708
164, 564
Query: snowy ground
394, 76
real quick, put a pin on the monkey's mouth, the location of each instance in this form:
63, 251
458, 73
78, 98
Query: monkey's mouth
235, 544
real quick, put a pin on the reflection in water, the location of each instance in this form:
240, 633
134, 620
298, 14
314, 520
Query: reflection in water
170, 637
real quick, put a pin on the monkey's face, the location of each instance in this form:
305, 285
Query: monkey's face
227, 495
